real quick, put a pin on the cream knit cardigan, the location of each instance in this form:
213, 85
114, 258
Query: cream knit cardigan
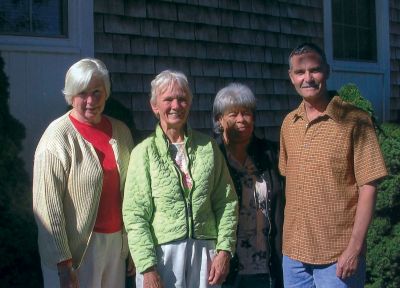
67, 183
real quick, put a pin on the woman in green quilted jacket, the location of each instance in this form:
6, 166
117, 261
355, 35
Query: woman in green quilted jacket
180, 207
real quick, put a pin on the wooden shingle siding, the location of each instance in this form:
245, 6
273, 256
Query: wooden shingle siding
395, 60
214, 43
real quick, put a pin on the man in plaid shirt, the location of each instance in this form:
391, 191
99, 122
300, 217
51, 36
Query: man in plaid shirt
331, 159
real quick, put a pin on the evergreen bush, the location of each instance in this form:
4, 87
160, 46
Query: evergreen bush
20, 264
383, 256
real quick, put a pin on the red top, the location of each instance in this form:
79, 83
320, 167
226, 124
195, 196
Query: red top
109, 216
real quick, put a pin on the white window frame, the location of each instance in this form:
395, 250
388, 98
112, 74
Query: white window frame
79, 40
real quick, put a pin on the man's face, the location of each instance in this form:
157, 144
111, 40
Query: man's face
308, 74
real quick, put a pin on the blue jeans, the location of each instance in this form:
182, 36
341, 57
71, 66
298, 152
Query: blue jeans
297, 274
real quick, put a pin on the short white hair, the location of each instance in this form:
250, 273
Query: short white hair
167, 77
81, 73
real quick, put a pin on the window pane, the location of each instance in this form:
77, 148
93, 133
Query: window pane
354, 30
337, 13
33, 17
364, 14
350, 50
47, 17
349, 12
14, 16
366, 49
338, 41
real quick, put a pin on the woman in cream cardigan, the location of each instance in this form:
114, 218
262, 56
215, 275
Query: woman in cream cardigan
79, 173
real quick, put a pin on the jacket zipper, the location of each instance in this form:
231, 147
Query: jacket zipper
188, 208
190, 198
187, 204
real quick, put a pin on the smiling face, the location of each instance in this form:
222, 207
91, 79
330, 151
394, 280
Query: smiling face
309, 74
237, 124
172, 106
89, 104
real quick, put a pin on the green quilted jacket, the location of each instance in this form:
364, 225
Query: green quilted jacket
156, 208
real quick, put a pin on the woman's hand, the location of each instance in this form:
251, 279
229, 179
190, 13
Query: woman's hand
151, 279
130, 267
68, 277
219, 268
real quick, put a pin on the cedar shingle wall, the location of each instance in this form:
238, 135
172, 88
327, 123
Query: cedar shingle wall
213, 42
395, 60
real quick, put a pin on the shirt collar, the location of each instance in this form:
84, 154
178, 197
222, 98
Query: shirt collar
163, 139
332, 110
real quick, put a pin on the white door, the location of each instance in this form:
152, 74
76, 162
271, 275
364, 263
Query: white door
38, 42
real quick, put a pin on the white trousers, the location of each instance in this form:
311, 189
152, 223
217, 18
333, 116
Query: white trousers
102, 265
184, 264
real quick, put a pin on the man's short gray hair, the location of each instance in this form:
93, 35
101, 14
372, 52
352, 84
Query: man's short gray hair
307, 47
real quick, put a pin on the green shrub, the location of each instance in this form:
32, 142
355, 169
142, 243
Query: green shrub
389, 138
20, 264
383, 256
351, 94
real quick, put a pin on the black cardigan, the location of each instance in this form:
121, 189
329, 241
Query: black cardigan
264, 154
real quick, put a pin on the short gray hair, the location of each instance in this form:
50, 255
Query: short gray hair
231, 96
307, 47
167, 77
81, 73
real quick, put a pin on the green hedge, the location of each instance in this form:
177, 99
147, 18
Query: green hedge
383, 257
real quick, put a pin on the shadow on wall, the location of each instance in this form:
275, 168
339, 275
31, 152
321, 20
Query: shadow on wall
117, 110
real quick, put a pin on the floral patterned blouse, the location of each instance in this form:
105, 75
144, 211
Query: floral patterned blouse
253, 225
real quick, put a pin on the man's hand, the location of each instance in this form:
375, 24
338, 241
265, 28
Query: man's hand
151, 279
219, 268
347, 263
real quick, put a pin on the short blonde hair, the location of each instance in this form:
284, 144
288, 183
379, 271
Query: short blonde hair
81, 73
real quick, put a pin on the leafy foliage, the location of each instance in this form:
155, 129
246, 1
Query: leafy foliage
383, 257
351, 94
18, 249
390, 144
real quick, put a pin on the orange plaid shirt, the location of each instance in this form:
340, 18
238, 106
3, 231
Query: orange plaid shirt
325, 161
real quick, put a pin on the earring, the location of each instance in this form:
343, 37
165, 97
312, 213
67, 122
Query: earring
220, 128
